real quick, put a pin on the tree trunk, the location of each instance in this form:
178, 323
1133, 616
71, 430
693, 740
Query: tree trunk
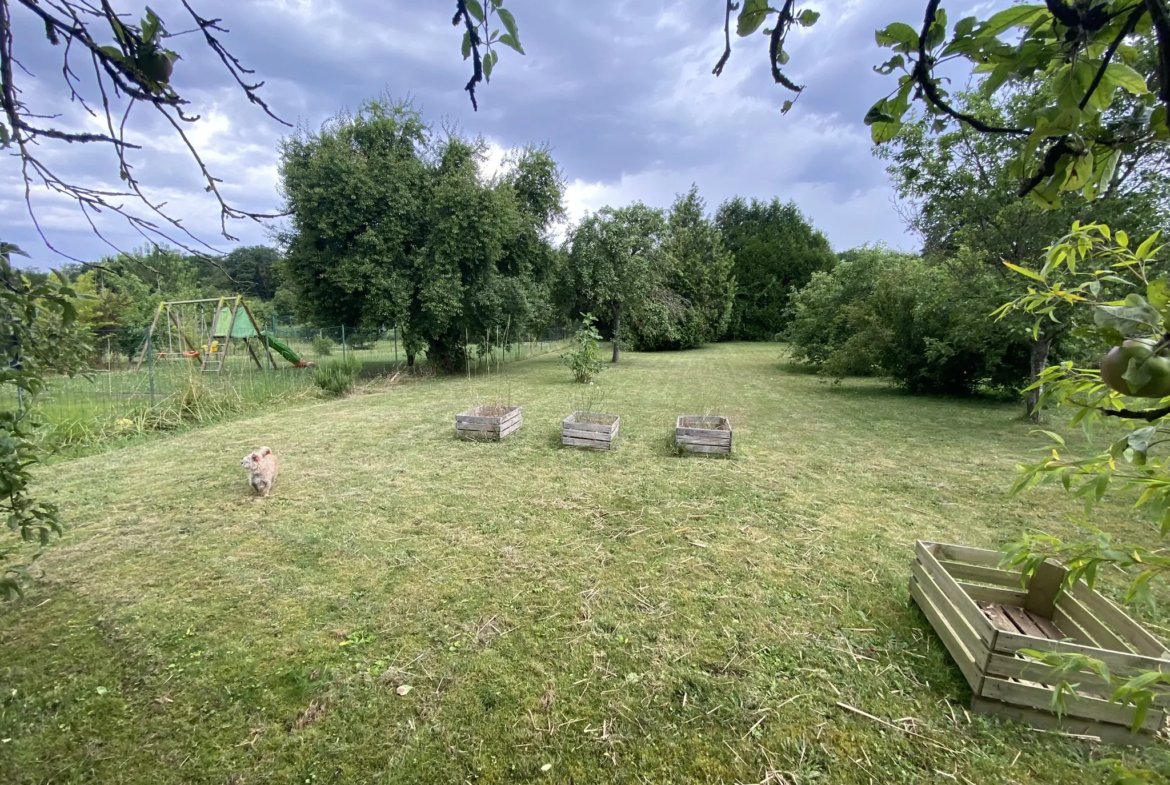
409, 360
617, 326
1039, 362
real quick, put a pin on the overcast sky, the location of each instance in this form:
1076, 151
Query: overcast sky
620, 89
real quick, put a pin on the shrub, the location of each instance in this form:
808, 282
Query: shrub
337, 377
322, 346
885, 313
582, 356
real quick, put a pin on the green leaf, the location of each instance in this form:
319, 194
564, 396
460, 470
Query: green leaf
1158, 293
1080, 172
507, 40
878, 114
901, 36
938, 31
886, 68
475, 9
1135, 316
1122, 238
488, 63
751, 16
1024, 271
1143, 251
808, 17
786, 106
509, 22
1126, 78
466, 44
1016, 16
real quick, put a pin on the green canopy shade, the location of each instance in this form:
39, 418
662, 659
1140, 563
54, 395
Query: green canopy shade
243, 328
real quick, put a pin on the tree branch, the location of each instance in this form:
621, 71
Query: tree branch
1126, 29
477, 65
1149, 415
731, 6
921, 75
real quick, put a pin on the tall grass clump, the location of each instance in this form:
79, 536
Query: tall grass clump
337, 377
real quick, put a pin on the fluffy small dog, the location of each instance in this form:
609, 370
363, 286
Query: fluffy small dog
262, 465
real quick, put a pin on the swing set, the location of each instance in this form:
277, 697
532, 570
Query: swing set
203, 331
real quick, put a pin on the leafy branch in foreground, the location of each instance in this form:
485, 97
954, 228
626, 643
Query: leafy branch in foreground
39, 336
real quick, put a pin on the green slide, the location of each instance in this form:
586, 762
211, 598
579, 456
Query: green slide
283, 349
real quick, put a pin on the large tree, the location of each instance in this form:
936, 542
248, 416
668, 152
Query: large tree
776, 251
959, 193
615, 254
391, 226
691, 297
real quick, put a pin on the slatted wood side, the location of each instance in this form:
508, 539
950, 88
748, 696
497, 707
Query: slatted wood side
471, 424
577, 430
949, 580
698, 434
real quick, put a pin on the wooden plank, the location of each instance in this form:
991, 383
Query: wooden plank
958, 644
579, 434
1021, 619
980, 556
1050, 630
989, 594
1035, 697
998, 617
702, 422
477, 426
1084, 681
592, 444
1119, 621
1110, 734
707, 442
706, 448
1105, 637
704, 433
1044, 588
508, 430
955, 595
574, 421
971, 572
1007, 643
1071, 629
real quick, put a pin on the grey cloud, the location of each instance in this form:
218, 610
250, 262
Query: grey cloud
620, 88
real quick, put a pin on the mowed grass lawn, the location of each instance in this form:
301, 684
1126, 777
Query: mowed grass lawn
560, 616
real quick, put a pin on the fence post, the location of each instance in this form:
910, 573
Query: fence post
150, 362
343, 343
396, 348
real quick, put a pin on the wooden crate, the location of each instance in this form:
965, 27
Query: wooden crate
697, 433
985, 615
492, 422
590, 430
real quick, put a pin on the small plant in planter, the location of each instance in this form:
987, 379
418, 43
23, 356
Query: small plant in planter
491, 422
582, 357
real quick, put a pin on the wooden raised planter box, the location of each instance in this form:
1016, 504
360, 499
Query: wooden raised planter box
492, 422
985, 616
696, 433
587, 429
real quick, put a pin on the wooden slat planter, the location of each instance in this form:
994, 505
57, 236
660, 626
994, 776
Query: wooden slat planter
492, 422
587, 429
696, 433
985, 616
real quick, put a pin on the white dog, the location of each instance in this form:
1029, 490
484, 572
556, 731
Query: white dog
262, 465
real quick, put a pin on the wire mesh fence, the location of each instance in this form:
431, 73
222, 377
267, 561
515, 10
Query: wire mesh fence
159, 385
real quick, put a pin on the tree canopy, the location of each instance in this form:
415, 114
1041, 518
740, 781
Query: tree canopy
392, 225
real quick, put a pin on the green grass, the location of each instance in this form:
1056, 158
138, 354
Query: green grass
625, 617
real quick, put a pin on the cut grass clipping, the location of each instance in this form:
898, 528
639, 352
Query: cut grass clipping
409, 607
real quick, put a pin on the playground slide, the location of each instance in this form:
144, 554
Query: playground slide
284, 350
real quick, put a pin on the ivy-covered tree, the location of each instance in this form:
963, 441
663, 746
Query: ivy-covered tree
776, 251
614, 257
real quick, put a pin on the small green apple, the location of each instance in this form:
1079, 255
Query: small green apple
1116, 364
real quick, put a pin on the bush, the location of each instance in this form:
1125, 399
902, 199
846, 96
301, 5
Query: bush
337, 377
879, 312
322, 346
582, 356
